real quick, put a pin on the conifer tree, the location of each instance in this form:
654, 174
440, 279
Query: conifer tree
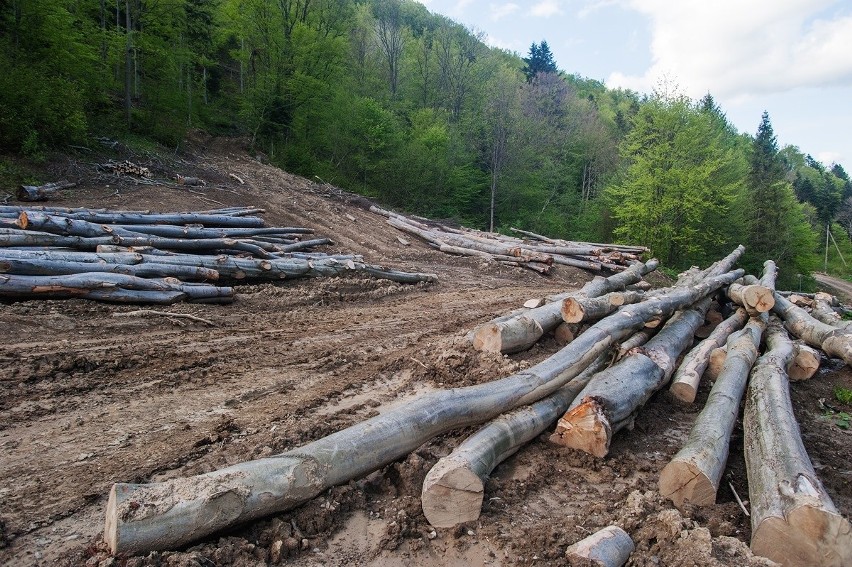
540, 60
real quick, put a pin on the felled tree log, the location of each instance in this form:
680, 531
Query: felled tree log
716, 362
173, 513
454, 488
805, 363
822, 311
613, 396
609, 547
794, 521
831, 340
579, 309
754, 298
110, 287
36, 267
130, 218
694, 473
521, 332
31, 193
688, 375
635, 341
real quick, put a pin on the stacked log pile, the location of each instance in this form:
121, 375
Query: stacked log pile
594, 386
158, 258
534, 252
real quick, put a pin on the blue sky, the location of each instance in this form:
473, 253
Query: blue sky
792, 58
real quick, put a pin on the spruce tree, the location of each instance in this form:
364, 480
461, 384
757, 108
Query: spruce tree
540, 60
776, 227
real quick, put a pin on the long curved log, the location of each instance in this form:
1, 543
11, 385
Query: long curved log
454, 488
173, 513
612, 397
794, 521
694, 473
688, 375
833, 341
521, 332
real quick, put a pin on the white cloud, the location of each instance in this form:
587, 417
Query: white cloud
458, 8
499, 11
738, 49
546, 8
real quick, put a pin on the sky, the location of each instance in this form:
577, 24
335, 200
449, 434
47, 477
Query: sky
792, 58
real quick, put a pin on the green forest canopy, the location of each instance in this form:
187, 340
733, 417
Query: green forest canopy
387, 99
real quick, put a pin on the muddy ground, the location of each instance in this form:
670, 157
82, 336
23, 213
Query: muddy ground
90, 399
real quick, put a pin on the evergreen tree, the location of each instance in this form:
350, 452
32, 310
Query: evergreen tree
775, 223
540, 60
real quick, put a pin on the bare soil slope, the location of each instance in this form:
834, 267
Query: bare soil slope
90, 399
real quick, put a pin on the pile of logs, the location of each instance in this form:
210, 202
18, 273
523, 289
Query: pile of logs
534, 252
594, 386
124, 168
159, 258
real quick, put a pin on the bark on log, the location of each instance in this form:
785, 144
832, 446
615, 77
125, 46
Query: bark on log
521, 332
580, 309
794, 521
823, 312
688, 375
833, 341
36, 267
635, 341
110, 287
612, 398
32, 193
453, 489
609, 547
130, 218
173, 513
693, 474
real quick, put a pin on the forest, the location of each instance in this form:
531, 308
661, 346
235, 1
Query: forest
384, 98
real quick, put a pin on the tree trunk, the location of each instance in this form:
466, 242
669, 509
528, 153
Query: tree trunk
110, 287
794, 521
716, 362
609, 547
693, 474
754, 298
688, 375
521, 332
833, 341
612, 398
805, 363
454, 487
173, 513
822, 312
37, 267
31, 193
580, 309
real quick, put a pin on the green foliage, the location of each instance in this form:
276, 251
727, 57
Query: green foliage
682, 177
843, 395
540, 60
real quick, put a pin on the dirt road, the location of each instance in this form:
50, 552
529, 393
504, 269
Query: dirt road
90, 399
841, 288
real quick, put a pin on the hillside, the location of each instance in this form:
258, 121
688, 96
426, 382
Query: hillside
91, 399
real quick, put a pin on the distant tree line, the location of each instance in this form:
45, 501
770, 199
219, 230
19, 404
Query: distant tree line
384, 98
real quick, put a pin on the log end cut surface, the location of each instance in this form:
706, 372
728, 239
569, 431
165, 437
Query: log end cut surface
584, 427
810, 536
682, 482
452, 495
685, 391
